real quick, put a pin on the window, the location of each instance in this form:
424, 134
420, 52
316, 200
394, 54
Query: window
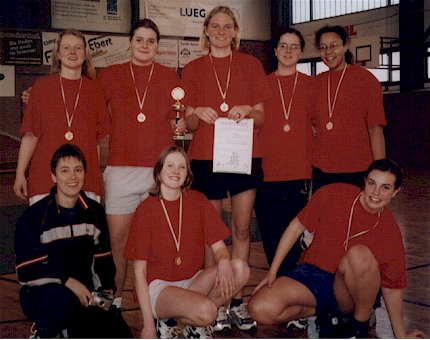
309, 10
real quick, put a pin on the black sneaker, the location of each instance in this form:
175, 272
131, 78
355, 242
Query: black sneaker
328, 326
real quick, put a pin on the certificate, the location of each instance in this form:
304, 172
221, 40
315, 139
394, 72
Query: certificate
233, 146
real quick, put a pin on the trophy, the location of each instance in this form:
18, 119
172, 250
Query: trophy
178, 93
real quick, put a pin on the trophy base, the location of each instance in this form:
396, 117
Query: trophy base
178, 137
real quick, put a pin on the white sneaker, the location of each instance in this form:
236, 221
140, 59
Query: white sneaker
299, 324
190, 332
240, 317
222, 321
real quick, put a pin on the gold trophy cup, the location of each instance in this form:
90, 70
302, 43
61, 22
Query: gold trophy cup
178, 94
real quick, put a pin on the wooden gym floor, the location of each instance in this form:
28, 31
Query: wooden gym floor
411, 207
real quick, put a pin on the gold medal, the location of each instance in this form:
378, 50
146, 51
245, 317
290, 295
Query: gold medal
141, 117
329, 126
68, 135
178, 261
287, 128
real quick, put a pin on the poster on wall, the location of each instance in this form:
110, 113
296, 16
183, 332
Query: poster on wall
102, 15
20, 47
105, 50
167, 53
188, 51
7, 81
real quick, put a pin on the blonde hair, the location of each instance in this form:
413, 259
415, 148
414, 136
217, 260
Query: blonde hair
204, 42
87, 67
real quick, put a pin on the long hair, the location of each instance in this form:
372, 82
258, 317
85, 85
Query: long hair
87, 67
156, 187
204, 40
340, 31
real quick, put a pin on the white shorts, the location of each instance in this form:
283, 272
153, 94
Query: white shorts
125, 188
156, 286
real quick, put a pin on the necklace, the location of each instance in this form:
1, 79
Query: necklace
224, 106
141, 117
348, 237
287, 112
69, 134
177, 240
329, 125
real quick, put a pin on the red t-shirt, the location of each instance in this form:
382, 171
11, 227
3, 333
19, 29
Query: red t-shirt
327, 215
150, 238
248, 86
287, 155
359, 106
45, 116
133, 143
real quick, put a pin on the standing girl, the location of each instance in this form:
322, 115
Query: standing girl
225, 83
138, 94
66, 106
350, 114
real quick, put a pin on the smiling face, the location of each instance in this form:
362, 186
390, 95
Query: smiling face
379, 190
69, 177
144, 46
289, 50
174, 173
220, 31
71, 52
332, 51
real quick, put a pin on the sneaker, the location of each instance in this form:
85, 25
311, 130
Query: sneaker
222, 321
114, 309
190, 332
328, 326
167, 329
239, 315
299, 324
312, 327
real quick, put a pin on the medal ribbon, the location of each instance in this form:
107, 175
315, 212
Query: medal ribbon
345, 243
141, 102
69, 118
177, 240
281, 94
330, 106
223, 94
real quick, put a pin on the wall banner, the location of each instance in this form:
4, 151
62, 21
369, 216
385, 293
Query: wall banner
184, 18
96, 15
20, 47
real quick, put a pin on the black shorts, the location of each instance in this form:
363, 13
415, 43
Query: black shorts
217, 185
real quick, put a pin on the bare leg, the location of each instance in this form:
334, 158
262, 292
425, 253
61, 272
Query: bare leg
198, 305
241, 213
286, 300
209, 254
119, 226
357, 282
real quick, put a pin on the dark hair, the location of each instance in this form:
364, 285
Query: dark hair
278, 36
340, 31
145, 23
66, 151
156, 187
387, 165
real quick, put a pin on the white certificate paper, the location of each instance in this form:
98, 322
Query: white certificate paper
233, 146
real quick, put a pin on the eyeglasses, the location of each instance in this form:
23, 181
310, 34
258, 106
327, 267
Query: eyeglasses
332, 46
293, 47
217, 27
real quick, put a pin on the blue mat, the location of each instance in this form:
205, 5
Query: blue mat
8, 217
